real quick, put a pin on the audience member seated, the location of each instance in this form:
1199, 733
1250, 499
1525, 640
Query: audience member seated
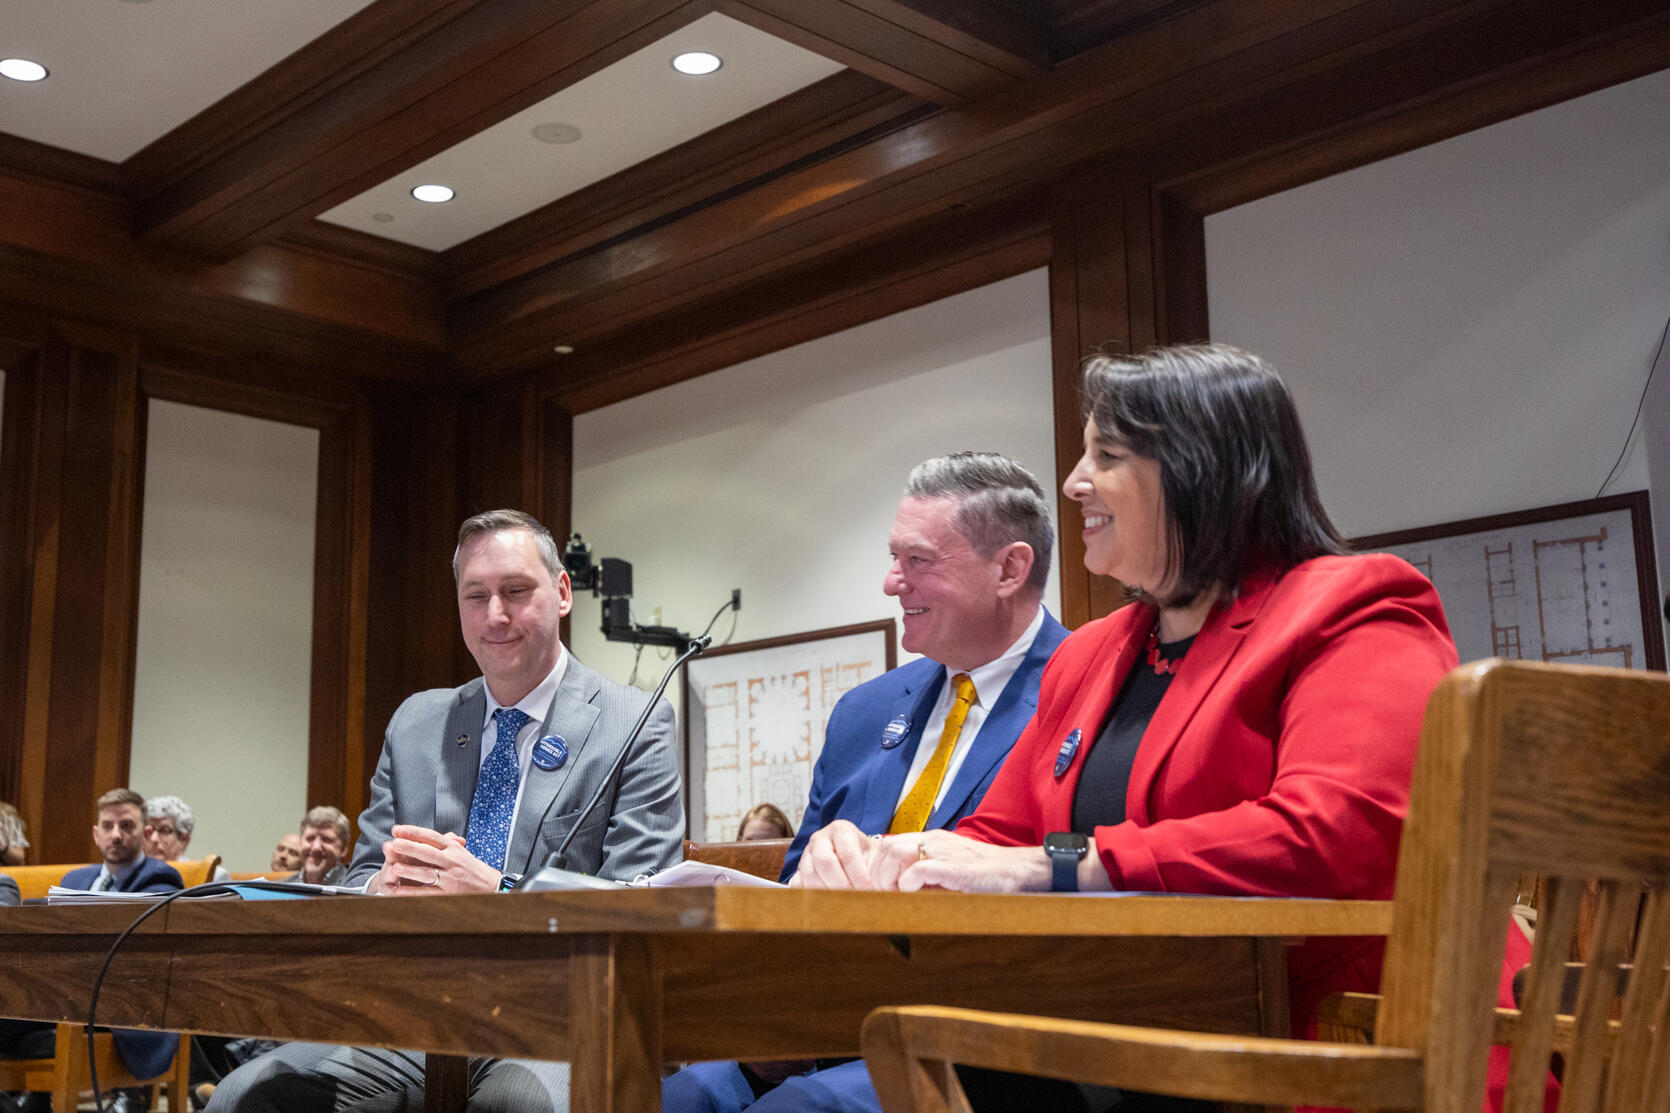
287, 855
917, 747
13, 841
1247, 726
168, 826
124, 868
324, 841
765, 821
10, 896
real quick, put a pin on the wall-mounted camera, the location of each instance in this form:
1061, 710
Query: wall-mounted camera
612, 579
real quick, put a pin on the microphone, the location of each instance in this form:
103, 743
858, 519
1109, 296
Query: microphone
555, 873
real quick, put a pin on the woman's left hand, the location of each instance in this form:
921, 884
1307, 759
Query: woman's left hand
942, 860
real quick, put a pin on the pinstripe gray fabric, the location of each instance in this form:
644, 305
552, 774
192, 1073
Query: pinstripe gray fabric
427, 776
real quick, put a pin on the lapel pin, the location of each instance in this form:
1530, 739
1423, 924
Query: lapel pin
550, 752
461, 741
894, 733
1064, 756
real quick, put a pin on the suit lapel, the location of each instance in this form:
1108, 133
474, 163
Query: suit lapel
882, 797
1217, 642
1011, 712
460, 765
571, 717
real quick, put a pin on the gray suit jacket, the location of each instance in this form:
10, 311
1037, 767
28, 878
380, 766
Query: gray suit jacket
432, 757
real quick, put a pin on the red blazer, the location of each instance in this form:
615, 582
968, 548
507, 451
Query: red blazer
1277, 764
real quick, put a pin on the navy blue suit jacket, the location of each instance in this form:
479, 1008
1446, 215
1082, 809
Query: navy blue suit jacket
153, 876
146, 1054
857, 779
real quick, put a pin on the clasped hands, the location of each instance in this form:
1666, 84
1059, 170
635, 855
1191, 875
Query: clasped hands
840, 856
418, 861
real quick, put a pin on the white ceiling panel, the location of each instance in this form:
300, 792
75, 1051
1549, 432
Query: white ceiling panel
625, 113
126, 72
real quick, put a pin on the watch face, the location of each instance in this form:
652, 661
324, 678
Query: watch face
1066, 842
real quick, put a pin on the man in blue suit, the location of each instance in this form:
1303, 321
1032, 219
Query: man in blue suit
120, 836
918, 746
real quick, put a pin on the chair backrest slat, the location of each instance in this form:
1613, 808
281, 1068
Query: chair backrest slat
1586, 1061
1556, 924
1635, 1059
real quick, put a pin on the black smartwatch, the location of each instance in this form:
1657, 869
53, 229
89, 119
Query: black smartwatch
509, 881
1066, 850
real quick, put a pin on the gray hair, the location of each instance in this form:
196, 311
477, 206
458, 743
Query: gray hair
493, 521
998, 503
325, 815
171, 807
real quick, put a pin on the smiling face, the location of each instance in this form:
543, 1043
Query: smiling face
954, 612
1119, 494
509, 606
164, 840
321, 851
119, 834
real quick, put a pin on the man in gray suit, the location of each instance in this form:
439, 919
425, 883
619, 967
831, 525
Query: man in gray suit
443, 771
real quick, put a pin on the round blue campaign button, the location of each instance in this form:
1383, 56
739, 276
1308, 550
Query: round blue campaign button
1064, 756
894, 733
550, 752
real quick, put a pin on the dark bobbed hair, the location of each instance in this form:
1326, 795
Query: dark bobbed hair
999, 502
1234, 468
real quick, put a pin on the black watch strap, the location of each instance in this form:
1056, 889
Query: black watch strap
1066, 850
508, 883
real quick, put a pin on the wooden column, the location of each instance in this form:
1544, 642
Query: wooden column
1127, 271
69, 554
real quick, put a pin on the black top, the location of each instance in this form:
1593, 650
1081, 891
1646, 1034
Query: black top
1099, 800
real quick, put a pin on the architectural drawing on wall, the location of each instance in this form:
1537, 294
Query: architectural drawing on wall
754, 716
1573, 583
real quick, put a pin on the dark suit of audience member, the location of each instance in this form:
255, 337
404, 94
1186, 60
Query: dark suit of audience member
971, 547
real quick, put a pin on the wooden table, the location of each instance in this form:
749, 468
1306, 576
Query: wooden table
618, 982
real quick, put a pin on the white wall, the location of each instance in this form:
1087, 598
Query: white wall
1468, 326
220, 701
780, 475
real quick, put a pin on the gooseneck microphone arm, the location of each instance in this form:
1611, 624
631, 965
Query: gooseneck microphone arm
558, 858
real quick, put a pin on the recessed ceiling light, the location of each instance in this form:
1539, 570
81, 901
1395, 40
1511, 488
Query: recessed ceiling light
434, 194
556, 133
563, 349
22, 69
697, 62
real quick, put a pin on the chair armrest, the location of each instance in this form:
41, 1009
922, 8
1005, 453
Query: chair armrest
1350, 1017
909, 1051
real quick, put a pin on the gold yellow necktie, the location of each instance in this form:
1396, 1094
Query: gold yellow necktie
918, 804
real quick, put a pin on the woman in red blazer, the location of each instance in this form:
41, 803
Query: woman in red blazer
1248, 725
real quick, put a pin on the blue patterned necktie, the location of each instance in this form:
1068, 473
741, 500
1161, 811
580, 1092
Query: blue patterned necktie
488, 836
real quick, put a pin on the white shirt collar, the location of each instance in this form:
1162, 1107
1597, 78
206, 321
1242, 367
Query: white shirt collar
992, 677
537, 703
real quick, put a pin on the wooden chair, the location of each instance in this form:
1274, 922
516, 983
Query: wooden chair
1561, 771
760, 857
66, 1075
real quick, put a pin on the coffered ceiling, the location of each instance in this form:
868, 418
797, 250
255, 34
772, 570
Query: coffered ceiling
260, 155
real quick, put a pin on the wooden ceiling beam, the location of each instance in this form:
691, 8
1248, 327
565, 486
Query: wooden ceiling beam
841, 110
401, 81
1127, 92
872, 280
1492, 68
948, 52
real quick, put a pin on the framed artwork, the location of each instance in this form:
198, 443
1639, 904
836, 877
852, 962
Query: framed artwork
1574, 583
754, 716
